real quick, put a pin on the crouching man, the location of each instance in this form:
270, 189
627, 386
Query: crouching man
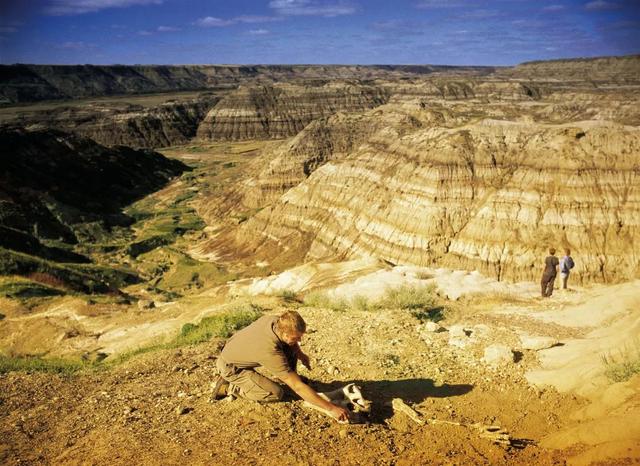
271, 342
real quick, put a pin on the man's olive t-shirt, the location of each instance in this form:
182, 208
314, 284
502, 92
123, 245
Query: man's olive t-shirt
258, 345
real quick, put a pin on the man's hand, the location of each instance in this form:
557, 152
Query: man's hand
339, 413
308, 394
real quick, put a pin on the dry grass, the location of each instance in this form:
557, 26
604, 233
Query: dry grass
495, 297
418, 299
623, 364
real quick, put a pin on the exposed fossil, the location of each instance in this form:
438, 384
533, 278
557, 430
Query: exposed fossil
348, 397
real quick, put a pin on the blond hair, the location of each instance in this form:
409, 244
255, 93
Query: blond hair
290, 323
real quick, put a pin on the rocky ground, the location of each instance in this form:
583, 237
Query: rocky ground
155, 408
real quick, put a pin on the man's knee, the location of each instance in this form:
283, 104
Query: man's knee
277, 394
257, 388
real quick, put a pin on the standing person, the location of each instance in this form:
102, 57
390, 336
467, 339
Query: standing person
271, 342
566, 264
549, 274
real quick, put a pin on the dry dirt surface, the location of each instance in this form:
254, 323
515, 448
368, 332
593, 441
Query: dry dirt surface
155, 409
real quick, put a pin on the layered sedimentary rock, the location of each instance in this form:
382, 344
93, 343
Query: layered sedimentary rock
286, 165
594, 71
279, 111
487, 88
489, 195
113, 123
32, 83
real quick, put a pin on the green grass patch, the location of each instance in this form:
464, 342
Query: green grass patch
623, 365
221, 325
38, 364
183, 197
178, 271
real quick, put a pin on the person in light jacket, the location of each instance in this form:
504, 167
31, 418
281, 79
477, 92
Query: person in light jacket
566, 264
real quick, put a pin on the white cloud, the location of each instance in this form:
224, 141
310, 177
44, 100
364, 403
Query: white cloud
311, 8
78, 7
552, 8
258, 32
255, 19
443, 4
480, 14
601, 5
168, 29
212, 22
145, 33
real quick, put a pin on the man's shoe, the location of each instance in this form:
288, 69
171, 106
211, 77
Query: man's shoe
220, 387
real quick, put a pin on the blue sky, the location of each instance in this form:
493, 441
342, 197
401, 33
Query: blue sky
454, 32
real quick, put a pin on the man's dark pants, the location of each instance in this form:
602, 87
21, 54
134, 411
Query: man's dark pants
546, 284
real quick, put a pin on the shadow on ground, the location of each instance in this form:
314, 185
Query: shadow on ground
412, 391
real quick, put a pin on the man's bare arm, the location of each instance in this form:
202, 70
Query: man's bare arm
308, 394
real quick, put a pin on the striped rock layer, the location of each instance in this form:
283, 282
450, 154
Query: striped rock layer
414, 185
280, 111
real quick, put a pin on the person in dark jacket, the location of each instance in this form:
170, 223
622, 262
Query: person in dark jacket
549, 274
566, 264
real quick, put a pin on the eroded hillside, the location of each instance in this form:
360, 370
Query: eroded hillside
424, 185
399, 209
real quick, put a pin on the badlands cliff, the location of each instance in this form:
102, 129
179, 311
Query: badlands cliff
427, 184
33, 83
280, 111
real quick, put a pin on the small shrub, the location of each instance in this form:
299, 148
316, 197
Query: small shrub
424, 275
624, 365
434, 314
187, 329
288, 295
410, 297
362, 303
